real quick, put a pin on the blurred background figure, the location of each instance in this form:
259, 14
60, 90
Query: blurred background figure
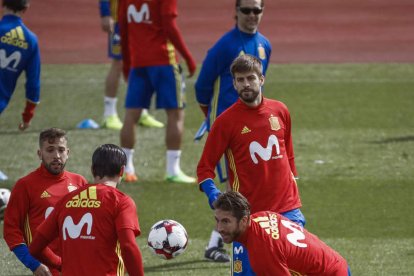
19, 51
149, 39
108, 11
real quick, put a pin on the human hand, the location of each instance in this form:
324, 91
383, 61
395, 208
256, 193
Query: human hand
24, 125
204, 109
107, 24
191, 66
42, 270
211, 191
213, 197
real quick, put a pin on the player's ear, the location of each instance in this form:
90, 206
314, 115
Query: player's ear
39, 154
121, 173
244, 221
262, 80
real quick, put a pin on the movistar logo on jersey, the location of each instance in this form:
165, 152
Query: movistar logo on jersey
85, 199
265, 153
15, 37
73, 230
10, 62
270, 224
139, 16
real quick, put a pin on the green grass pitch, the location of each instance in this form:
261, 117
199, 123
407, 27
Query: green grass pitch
353, 131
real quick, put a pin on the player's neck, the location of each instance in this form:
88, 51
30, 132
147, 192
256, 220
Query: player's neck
109, 181
244, 30
255, 103
7, 11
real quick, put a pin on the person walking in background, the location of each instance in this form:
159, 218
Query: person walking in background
255, 134
109, 24
277, 246
34, 196
214, 86
149, 39
19, 51
106, 246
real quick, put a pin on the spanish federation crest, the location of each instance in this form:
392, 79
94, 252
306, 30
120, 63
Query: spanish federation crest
237, 266
261, 51
274, 123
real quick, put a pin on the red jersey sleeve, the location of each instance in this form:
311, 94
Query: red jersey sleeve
169, 25
216, 144
127, 216
47, 232
130, 252
289, 140
15, 216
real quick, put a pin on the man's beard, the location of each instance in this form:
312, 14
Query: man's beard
54, 167
250, 97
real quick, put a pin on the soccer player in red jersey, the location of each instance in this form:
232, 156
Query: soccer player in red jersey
276, 245
109, 14
34, 196
96, 224
255, 135
149, 40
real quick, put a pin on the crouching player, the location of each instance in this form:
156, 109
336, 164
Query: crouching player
276, 245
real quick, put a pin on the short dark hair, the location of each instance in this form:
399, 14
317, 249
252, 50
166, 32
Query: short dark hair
238, 3
51, 134
16, 5
246, 63
233, 202
108, 160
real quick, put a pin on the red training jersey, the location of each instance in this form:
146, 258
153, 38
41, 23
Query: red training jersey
149, 34
87, 222
278, 246
32, 199
259, 150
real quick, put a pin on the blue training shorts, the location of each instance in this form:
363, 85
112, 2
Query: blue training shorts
166, 81
114, 44
241, 265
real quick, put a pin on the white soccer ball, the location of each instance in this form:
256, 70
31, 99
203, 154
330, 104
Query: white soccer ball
167, 239
4, 200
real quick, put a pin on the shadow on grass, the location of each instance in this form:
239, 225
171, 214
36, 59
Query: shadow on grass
180, 266
394, 140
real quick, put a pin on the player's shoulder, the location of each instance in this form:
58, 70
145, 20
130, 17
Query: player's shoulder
228, 37
263, 37
28, 178
276, 104
114, 193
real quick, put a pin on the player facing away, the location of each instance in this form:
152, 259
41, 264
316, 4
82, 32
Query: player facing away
255, 135
277, 246
108, 12
35, 195
149, 39
19, 51
96, 225
214, 86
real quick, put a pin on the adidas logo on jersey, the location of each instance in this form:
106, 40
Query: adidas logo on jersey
44, 194
270, 225
85, 199
15, 37
245, 130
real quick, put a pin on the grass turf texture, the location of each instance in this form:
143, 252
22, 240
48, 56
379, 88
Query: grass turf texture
353, 133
